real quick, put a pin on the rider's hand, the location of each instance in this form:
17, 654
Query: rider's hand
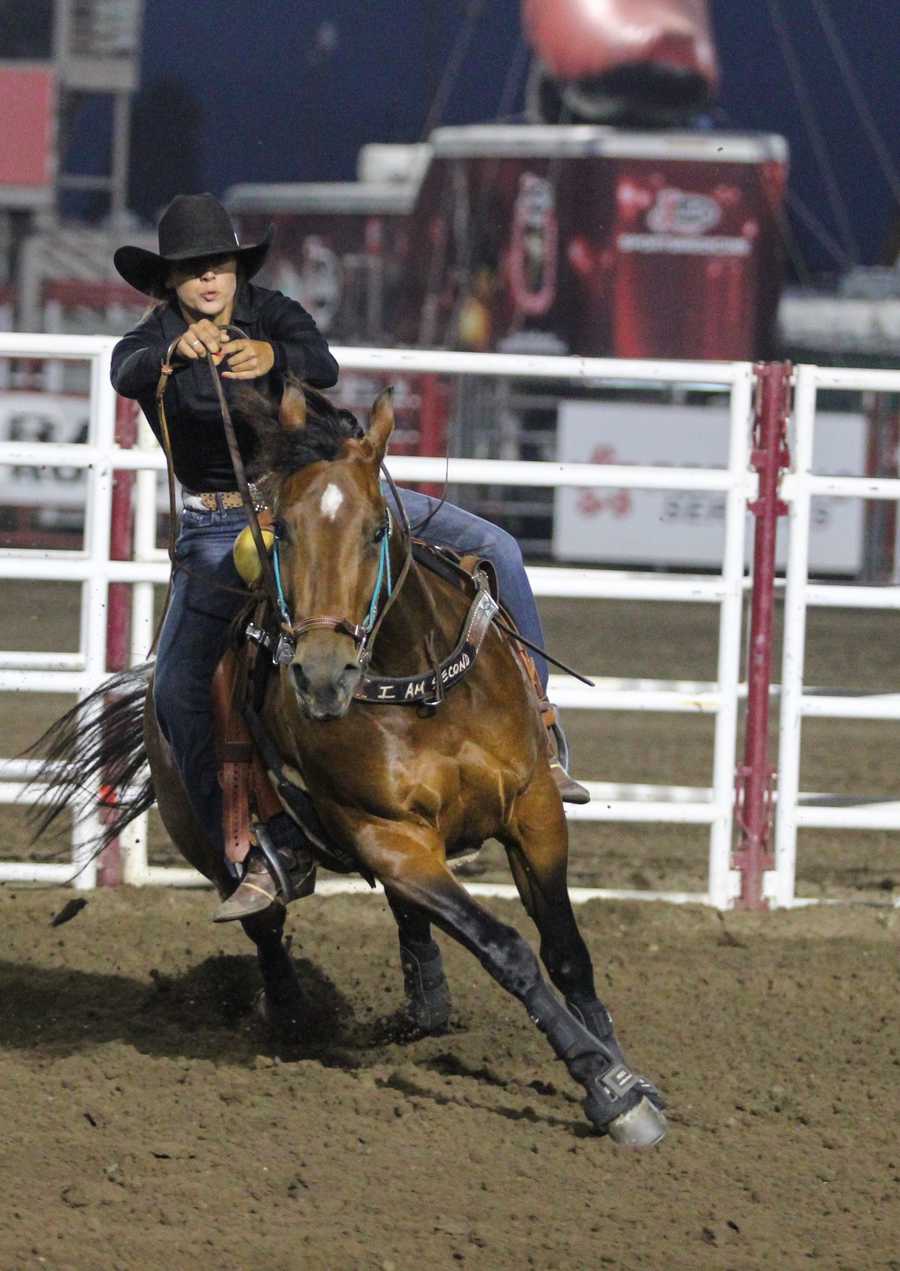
201, 338
247, 359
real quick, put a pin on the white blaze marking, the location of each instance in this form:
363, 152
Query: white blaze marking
331, 501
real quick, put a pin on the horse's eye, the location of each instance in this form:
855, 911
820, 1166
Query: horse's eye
380, 532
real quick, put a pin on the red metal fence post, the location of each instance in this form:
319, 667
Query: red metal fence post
118, 611
754, 778
432, 425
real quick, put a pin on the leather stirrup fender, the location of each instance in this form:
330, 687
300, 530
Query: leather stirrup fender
242, 775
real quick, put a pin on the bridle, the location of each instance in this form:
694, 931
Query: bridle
361, 633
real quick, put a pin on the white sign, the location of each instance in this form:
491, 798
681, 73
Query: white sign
48, 417
687, 527
42, 417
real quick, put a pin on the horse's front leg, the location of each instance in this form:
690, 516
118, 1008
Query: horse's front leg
537, 846
427, 992
409, 864
282, 1002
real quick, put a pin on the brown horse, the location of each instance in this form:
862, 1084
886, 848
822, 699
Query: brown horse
403, 788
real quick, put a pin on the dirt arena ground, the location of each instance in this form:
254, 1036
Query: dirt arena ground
148, 1121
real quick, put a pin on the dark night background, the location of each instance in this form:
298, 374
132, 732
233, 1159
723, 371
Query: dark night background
280, 91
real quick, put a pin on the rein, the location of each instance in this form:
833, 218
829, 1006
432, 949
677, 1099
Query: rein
363, 634
165, 371
268, 573
237, 463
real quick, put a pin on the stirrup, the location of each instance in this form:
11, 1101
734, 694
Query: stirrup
268, 880
255, 893
291, 867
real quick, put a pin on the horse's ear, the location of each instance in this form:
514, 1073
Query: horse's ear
292, 411
381, 424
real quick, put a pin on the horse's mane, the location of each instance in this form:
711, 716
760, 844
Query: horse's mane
282, 451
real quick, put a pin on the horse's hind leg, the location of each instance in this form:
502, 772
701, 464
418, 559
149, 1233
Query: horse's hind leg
282, 1000
538, 856
427, 992
409, 865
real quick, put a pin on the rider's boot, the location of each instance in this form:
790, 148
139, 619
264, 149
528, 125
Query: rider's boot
570, 790
278, 870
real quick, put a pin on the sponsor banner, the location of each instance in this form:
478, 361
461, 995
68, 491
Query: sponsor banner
686, 528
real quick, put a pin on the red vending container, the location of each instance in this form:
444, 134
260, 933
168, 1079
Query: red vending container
544, 238
603, 241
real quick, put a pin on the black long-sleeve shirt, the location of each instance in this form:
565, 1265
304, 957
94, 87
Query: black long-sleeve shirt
199, 450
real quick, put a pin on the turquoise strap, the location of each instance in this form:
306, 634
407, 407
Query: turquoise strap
282, 602
384, 568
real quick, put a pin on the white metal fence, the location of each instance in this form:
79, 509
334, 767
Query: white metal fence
81, 672
795, 810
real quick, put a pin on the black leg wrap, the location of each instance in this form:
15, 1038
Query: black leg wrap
611, 1088
616, 1101
427, 992
597, 1020
567, 1035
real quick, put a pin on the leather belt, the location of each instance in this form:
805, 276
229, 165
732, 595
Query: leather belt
217, 500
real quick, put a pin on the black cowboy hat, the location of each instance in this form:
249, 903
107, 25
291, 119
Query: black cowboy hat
192, 226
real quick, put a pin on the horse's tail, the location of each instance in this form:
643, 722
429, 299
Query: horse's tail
94, 756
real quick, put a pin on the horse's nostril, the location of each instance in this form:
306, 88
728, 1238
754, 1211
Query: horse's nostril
300, 677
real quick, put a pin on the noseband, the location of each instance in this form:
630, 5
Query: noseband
359, 632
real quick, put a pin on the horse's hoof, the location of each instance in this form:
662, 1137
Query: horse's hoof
641, 1126
281, 1020
431, 1017
262, 1008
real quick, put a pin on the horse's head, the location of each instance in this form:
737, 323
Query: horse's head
334, 541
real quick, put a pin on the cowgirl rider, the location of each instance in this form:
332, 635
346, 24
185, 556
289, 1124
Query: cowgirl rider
201, 282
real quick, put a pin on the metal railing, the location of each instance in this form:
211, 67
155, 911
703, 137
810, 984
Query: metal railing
795, 810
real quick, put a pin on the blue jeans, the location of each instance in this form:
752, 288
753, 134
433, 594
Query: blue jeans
192, 641
464, 532
195, 633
